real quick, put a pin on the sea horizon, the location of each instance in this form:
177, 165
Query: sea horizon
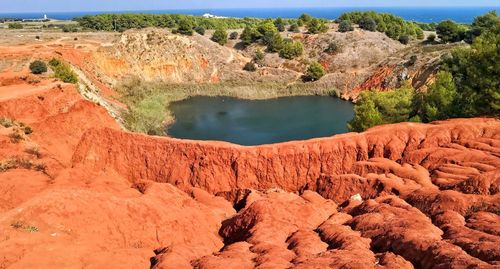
464, 14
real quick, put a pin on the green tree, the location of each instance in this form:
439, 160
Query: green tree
345, 26
368, 23
366, 115
220, 37
315, 26
291, 49
250, 35
275, 42
448, 31
38, 67
391, 25
314, 72
486, 22
476, 72
438, 103
186, 26
268, 32
304, 19
374, 108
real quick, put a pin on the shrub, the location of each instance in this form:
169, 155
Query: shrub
404, 39
15, 137
419, 33
250, 35
27, 130
374, 108
294, 28
233, 35
69, 28
35, 151
185, 26
54, 62
333, 47
345, 26
63, 71
15, 25
314, 72
280, 24
250, 67
38, 67
304, 19
40, 167
291, 49
412, 61
275, 42
6, 122
315, 26
200, 30
259, 55
220, 37
431, 38
368, 23
448, 31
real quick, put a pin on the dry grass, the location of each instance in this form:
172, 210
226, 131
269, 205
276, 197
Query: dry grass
35, 151
22, 163
15, 137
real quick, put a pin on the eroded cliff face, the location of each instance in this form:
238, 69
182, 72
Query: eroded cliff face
364, 61
158, 55
291, 165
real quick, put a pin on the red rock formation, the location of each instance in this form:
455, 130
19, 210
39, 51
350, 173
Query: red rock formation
219, 167
375, 82
79, 192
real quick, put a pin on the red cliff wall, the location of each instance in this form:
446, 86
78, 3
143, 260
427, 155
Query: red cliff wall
220, 167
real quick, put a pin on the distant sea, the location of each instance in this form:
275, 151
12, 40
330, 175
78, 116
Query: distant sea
420, 14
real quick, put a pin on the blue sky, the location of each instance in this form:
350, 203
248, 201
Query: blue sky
118, 5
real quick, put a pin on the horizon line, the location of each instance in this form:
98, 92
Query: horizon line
243, 8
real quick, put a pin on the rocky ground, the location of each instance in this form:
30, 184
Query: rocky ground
79, 192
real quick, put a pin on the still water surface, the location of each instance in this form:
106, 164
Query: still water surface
250, 122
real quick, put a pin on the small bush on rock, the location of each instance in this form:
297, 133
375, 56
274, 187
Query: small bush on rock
314, 72
250, 67
38, 67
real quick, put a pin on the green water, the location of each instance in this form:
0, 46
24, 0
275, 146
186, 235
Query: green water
250, 122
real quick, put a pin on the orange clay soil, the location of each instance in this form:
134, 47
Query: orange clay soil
79, 192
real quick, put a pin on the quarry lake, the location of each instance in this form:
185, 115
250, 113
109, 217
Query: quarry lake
255, 122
